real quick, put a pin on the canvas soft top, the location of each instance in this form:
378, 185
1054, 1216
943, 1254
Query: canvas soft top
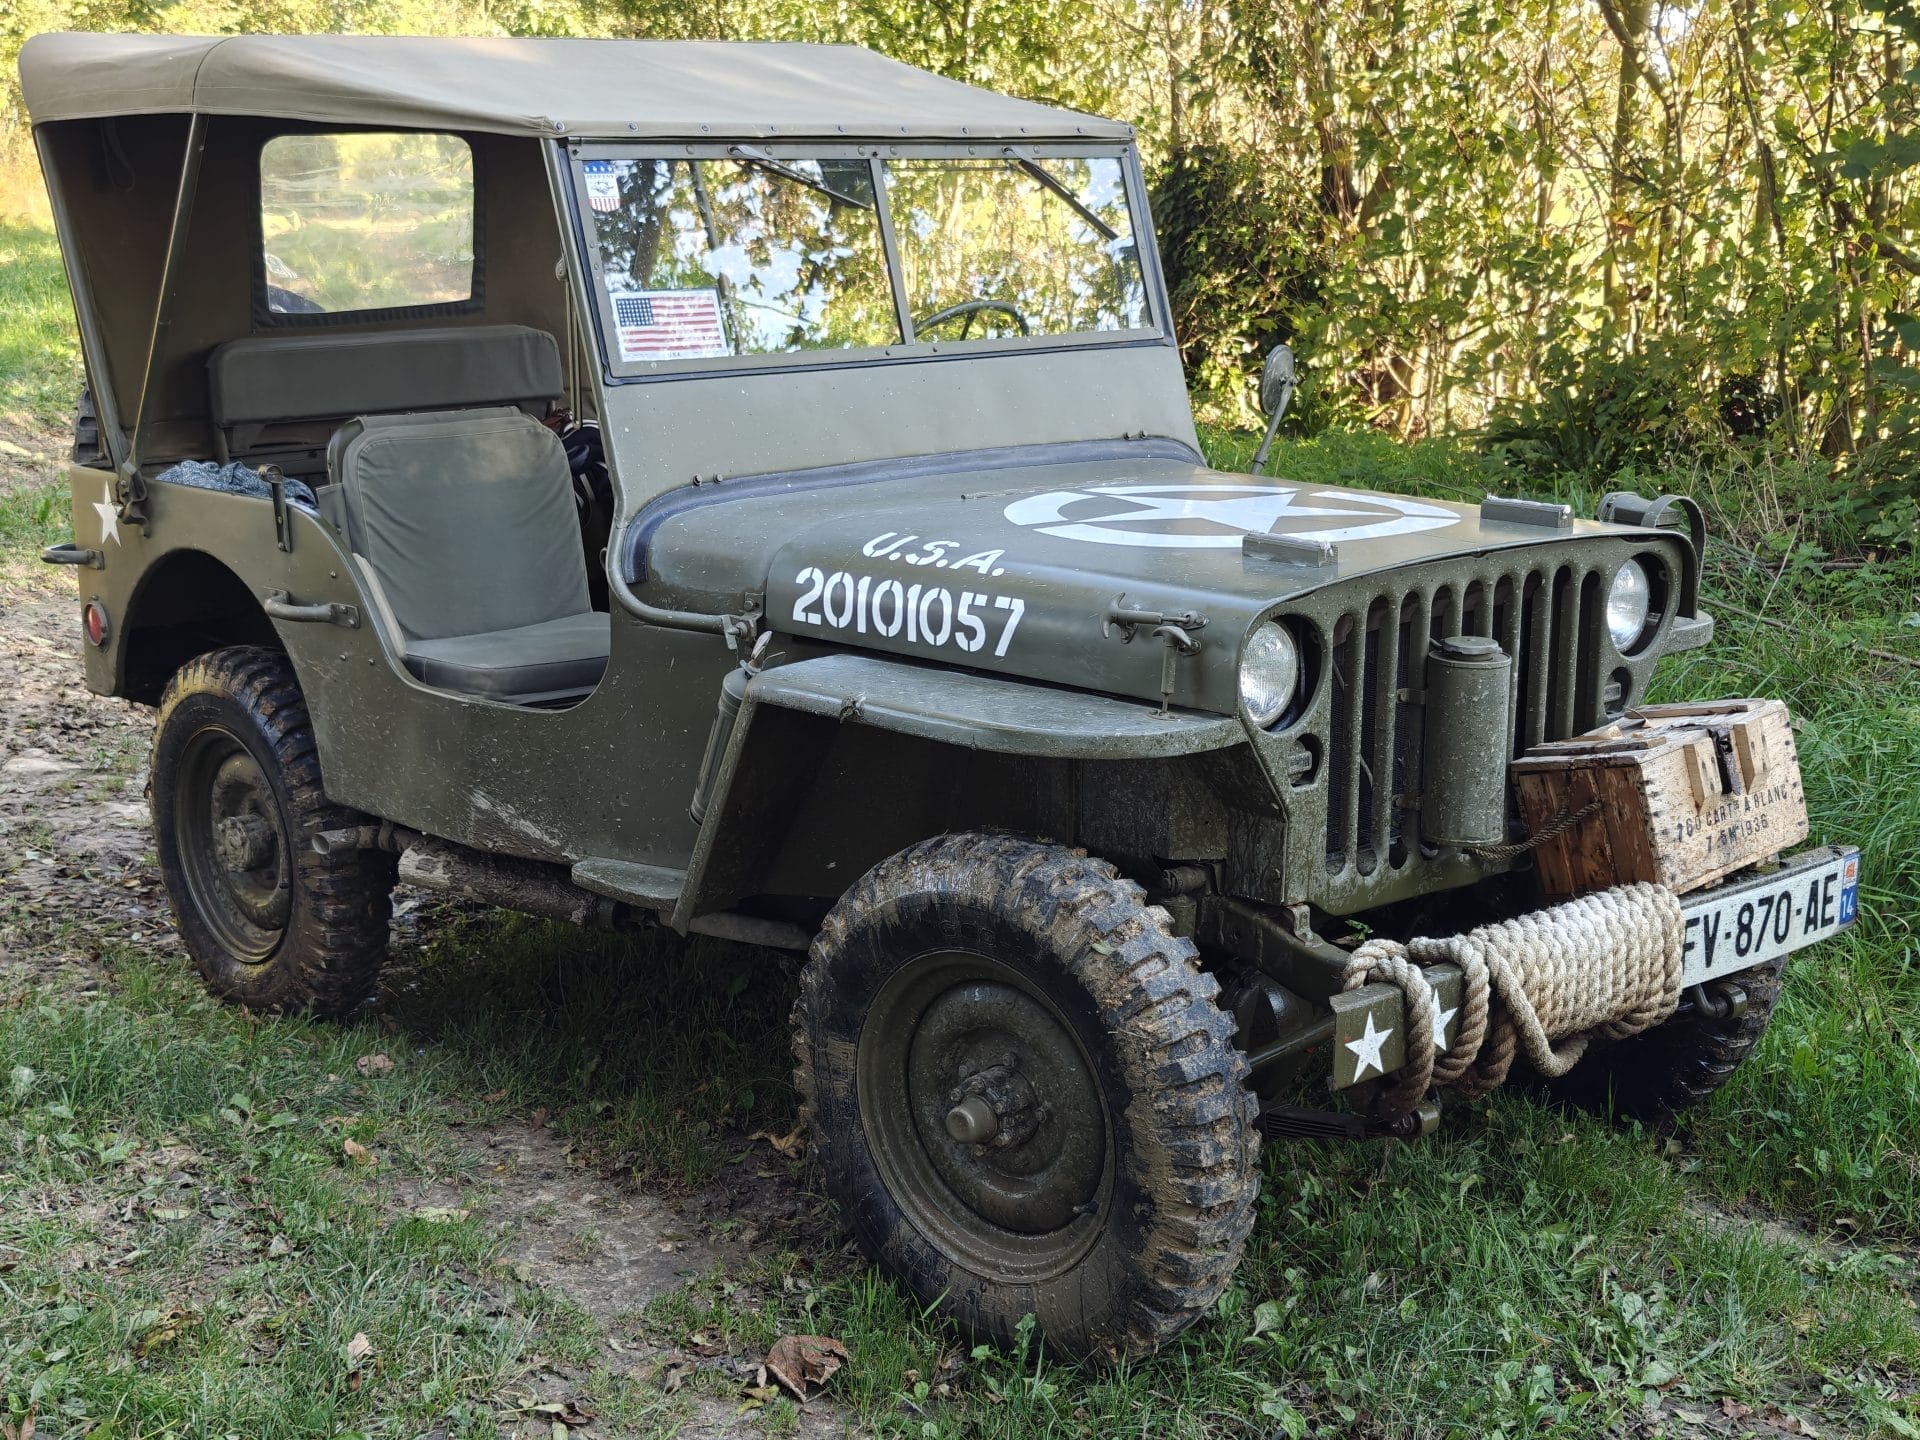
599, 88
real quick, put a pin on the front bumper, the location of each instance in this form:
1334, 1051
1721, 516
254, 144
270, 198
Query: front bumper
1750, 920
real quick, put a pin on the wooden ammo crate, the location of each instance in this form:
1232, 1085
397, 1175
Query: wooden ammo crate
1688, 794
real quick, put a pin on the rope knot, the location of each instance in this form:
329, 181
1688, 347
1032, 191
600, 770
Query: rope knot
1608, 964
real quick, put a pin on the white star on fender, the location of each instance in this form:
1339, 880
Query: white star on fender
1366, 1050
1440, 1019
108, 513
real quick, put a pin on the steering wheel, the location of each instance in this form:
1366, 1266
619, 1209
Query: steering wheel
970, 308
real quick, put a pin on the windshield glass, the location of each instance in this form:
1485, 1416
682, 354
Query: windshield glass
1016, 246
710, 258
763, 253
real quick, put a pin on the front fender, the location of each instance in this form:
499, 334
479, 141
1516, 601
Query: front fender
988, 712
792, 718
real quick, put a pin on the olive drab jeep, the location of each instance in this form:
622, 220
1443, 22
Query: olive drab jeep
751, 490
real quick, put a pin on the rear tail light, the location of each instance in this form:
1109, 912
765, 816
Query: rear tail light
96, 623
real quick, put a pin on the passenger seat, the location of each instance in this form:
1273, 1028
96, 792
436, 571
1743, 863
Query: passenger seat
463, 525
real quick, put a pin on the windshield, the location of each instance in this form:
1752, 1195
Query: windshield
1016, 246
709, 258
761, 253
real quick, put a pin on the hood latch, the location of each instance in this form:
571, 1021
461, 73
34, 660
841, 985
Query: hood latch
1176, 629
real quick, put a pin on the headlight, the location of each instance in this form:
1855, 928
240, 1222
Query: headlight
1269, 673
1627, 604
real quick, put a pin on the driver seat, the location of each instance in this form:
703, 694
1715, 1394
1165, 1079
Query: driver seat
463, 526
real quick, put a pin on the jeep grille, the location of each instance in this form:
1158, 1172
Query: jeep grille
1547, 617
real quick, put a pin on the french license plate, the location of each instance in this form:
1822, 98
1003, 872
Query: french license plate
1751, 921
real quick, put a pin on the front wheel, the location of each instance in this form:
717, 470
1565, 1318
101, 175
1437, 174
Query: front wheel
237, 800
1024, 1098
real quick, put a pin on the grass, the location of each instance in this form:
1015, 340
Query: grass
39, 357
187, 1248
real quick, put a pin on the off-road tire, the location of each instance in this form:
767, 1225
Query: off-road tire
1184, 1150
1655, 1075
326, 956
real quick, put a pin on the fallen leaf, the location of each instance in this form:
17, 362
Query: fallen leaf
279, 1246
798, 1361
1733, 1409
168, 1329
494, 1097
793, 1145
565, 1414
677, 1373
25, 1432
357, 1152
538, 1120
373, 1064
358, 1349
440, 1214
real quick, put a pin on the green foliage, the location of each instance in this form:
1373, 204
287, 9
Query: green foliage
39, 361
1241, 266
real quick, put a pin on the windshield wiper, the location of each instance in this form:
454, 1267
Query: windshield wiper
760, 160
1017, 156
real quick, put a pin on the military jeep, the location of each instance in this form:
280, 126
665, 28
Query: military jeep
751, 490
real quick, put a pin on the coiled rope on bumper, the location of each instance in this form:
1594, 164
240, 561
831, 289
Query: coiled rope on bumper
1608, 964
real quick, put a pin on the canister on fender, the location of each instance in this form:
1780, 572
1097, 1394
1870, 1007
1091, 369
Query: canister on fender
1468, 735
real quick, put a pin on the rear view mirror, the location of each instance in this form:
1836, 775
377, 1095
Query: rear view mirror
1277, 379
1276, 389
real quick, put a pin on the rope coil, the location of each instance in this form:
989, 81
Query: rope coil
1608, 965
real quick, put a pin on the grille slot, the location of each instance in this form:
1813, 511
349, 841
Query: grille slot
1547, 617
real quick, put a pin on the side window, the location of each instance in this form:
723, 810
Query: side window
365, 222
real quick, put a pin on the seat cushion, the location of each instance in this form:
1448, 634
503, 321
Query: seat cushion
552, 658
467, 517
280, 377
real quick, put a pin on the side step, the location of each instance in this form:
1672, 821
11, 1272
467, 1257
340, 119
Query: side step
656, 888
651, 887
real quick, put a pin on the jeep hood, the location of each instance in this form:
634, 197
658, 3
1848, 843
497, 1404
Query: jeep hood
1010, 563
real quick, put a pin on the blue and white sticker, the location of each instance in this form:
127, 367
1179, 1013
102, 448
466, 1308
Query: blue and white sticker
603, 185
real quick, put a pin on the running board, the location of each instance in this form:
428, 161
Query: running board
657, 888
651, 887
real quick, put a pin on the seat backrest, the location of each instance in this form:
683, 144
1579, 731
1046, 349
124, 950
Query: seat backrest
465, 518
279, 379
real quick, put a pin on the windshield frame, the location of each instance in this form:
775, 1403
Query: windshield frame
1042, 149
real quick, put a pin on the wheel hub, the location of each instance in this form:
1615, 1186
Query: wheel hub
243, 842
995, 1106
233, 845
1005, 1107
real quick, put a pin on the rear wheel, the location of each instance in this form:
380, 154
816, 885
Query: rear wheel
1023, 1096
1679, 1063
237, 800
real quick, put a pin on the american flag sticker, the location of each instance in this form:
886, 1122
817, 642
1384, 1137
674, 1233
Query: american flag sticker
669, 324
603, 185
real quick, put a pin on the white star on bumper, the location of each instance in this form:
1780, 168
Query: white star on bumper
1366, 1050
1440, 1019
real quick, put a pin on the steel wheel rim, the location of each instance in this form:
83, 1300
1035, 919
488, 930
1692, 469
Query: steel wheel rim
233, 845
1029, 1206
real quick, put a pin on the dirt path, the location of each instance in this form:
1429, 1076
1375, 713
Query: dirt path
78, 874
